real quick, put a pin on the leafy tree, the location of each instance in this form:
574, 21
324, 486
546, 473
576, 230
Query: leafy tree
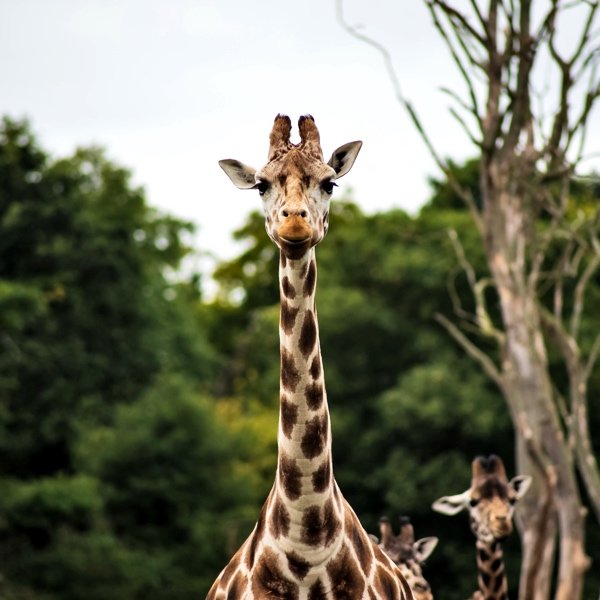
90, 321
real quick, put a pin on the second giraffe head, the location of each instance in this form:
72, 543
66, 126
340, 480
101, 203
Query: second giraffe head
295, 185
490, 500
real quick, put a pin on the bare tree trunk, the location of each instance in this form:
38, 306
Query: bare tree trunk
538, 529
529, 392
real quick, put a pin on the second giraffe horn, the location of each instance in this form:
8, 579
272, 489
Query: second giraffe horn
280, 136
310, 141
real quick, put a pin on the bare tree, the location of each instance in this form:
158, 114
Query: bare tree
538, 243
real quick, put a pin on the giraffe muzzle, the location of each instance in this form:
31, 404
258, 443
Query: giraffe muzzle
295, 230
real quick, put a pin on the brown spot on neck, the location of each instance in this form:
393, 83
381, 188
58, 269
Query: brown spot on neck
289, 373
314, 395
297, 565
317, 591
346, 578
287, 288
270, 582
315, 367
256, 537
311, 279
280, 519
289, 416
322, 477
290, 477
315, 436
308, 334
288, 317
362, 544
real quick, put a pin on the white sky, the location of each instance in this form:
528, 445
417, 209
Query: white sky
171, 87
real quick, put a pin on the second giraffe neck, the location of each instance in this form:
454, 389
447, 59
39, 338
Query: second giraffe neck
304, 439
491, 574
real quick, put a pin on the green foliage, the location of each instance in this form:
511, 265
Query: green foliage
91, 328
138, 422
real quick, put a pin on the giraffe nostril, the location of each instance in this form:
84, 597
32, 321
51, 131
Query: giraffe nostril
303, 214
285, 213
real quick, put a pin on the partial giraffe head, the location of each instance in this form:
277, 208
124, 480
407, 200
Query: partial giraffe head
490, 500
408, 554
295, 185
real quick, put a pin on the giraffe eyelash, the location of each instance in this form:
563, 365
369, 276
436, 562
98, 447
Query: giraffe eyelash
262, 186
328, 185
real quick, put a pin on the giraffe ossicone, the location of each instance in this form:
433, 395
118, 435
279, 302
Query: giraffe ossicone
308, 543
490, 501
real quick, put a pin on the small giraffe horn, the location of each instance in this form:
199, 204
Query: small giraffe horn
479, 467
496, 466
407, 532
385, 530
280, 136
310, 141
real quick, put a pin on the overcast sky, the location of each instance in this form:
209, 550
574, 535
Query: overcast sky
169, 88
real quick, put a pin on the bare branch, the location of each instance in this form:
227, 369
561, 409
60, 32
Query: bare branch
585, 34
463, 193
459, 18
472, 350
578, 296
592, 357
465, 127
474, 104
520, 110
579, 422
480, 17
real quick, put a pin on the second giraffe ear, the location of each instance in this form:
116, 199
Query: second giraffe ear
520, 484
242, 175
424, 547
451, 505
343, 158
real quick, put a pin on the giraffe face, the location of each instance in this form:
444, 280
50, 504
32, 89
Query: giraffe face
491, 508
409, 555
490, 500
295, 185
296, 192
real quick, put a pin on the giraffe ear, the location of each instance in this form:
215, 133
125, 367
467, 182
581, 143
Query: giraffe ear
343, 158
242, 175
424, 547
520, 484
451, 505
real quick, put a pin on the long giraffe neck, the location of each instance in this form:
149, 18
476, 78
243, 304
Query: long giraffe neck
491, 574
304, 474
307, 544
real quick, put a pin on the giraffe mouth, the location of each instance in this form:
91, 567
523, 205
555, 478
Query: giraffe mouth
295, 242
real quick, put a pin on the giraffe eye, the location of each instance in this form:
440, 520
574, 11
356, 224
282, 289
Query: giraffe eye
512, 501
474, 501
328, 185
262, 186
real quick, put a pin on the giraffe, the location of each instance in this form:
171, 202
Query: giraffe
408, 554
491, 502
308, 543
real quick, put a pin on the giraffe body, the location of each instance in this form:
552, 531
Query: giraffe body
490, 501
308, 543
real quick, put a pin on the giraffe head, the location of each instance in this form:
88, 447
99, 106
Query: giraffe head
407, 553
490, 500
295, 185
